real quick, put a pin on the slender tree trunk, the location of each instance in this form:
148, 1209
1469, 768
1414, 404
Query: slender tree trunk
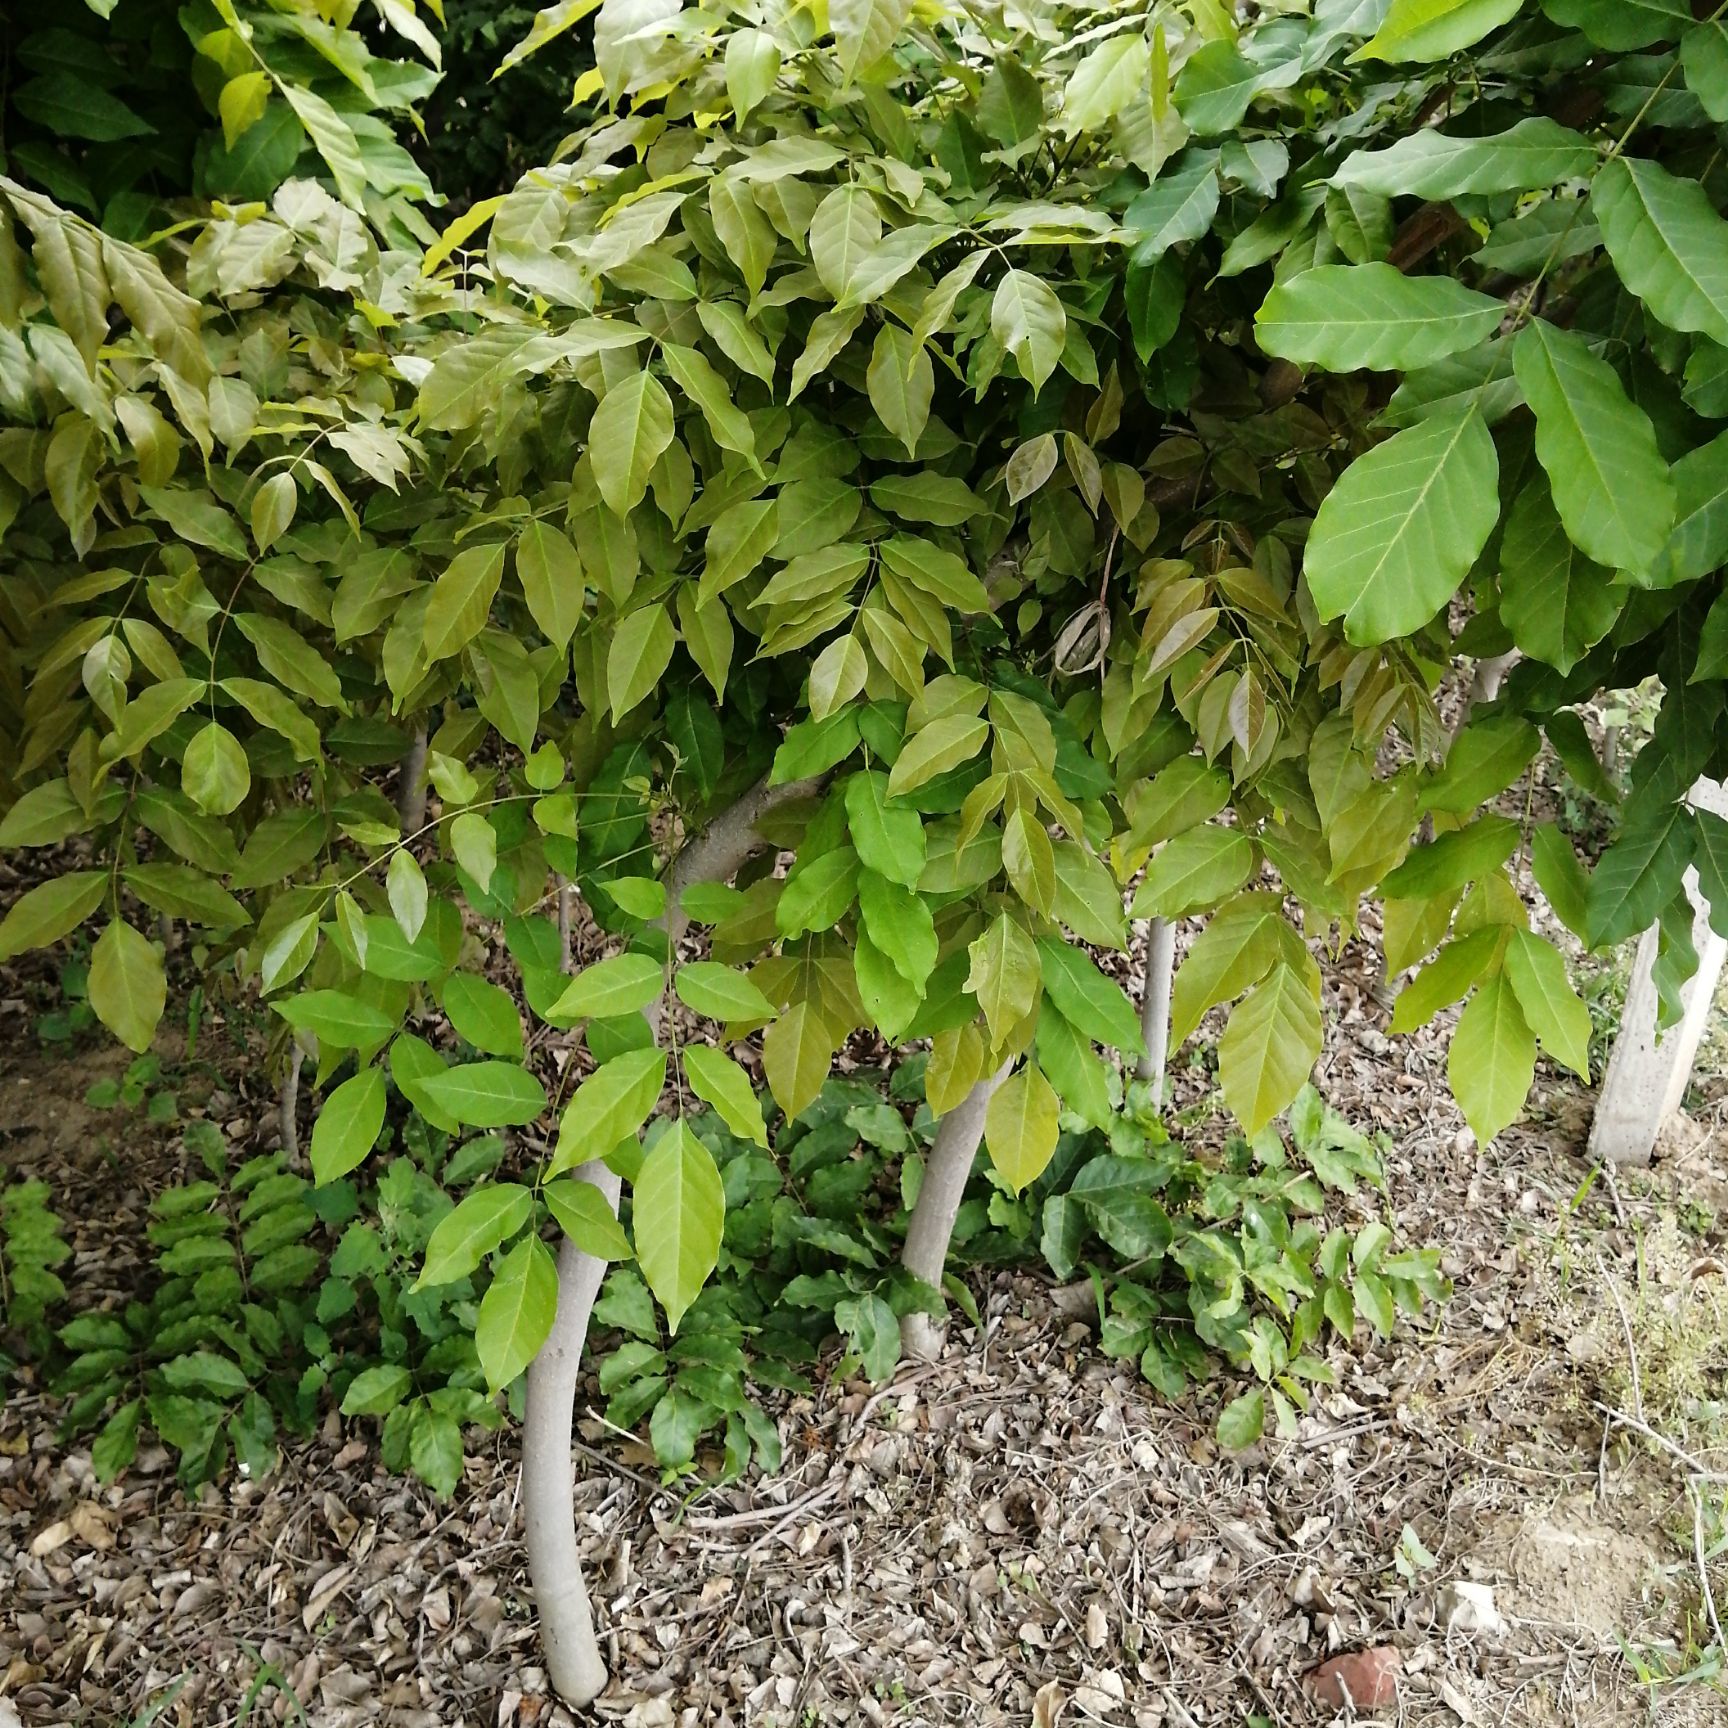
288, 1101
925, 1254
566, 900
1485, 684
1155, 1005
573, 1660
411, 787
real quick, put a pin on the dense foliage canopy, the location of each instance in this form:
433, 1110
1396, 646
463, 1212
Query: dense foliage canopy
1015, 457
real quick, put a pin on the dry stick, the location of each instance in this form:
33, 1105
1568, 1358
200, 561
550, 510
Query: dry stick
1155, 1005
573, 1661
932, 1223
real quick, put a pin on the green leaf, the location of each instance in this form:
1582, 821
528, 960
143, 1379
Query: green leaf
934, 749
1027, 319
405, 883
845, 230
1350, 316
474, 841
641, 650
625, 984
1465, 855
517, 1311
348, 1126
889, 838
1556, 603
752, 68
1531, 156
1397, 534
796, 1051
585, 1215
182, 892
1639, 874
1236, 949
333, 139
50, 910
1445, 979
335, 1018
1609, 482
639, 896
1560, 876
1710, 855
1177, 206
483, 1221
1668, 244
679, 1208
818, 894
716, 1079
461, 600
1699, 542
630, 428
720, 992
1195, 870
74, 107
692, 373
1242, 1421
127, 987
553, 582
1492, 1060
1427, 30
1483, 760
1004, 975
1269, 1047
483, 1014
864, 30
1020, 1127
608, 1107
938, 573
1704, 55
377, 1390
1551, 1007
837, 676
484, 1094
902, 382
1087, 999
899, 924
873, 1332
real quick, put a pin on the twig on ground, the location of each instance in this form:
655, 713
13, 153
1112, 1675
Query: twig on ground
1692, 1462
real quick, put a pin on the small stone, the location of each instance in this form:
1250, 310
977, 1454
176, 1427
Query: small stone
1368, 1679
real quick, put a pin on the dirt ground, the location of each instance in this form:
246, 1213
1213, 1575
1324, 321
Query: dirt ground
1021, 1533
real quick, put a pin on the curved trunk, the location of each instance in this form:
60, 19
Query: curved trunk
1155, 1005
925, 1254
573, 1660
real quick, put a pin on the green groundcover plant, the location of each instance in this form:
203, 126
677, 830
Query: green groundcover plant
989, 461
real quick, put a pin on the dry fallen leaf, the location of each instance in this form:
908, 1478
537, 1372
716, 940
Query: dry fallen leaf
1048, 1704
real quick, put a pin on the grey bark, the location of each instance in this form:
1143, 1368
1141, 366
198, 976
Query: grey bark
1155, 1005
1485, 684
925, 1254
566, 898
573, 1660
288, 1101
411, 788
